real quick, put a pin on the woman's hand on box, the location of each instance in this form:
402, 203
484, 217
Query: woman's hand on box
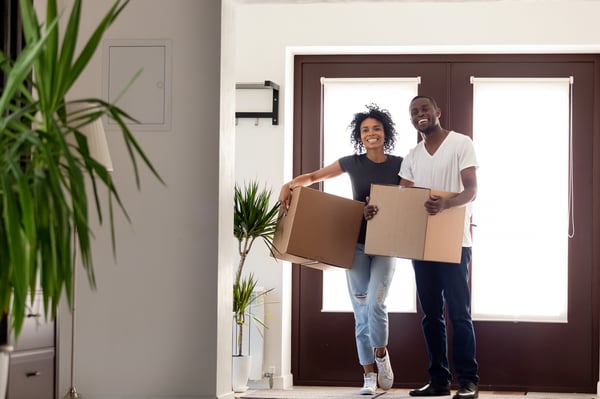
285, 197
370, 210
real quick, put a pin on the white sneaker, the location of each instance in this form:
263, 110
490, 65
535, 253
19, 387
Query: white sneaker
385, 374
370, 385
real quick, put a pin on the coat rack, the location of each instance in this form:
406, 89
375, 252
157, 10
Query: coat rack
274, 114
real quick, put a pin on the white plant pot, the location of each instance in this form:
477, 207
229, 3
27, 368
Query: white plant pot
4, 358
240, 371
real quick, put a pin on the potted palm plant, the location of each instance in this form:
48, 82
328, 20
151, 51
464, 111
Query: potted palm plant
46, 165
254, 218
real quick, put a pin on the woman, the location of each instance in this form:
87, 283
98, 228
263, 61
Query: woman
373, 135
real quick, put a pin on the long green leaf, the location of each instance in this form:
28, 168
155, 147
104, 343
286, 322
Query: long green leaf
22, 68
92, 44
67, 53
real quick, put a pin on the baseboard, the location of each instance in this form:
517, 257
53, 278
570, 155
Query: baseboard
279, 382
283, 381
228, 395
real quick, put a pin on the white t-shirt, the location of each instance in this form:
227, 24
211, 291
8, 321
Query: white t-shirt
441, 171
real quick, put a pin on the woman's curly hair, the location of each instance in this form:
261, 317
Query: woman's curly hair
383, 116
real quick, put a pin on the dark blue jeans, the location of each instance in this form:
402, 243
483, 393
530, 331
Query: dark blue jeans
440, 284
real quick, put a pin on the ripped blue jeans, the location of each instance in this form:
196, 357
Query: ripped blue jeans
369, 281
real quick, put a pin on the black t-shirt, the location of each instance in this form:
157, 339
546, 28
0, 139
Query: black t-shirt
363, 172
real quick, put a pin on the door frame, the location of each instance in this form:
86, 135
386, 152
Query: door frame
297, 168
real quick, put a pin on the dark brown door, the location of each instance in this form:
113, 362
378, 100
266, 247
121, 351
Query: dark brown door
512, 356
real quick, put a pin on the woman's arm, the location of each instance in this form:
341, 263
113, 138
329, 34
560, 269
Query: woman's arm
285, 195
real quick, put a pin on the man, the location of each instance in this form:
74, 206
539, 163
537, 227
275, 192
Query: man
443, 160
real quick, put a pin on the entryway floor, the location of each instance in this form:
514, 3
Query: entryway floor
303, 392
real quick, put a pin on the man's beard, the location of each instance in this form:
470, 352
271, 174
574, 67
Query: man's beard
426, 130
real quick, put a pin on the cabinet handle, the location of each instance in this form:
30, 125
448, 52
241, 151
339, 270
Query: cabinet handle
36, 315
31, 374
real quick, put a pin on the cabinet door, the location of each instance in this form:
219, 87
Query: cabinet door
31, 375
37, 332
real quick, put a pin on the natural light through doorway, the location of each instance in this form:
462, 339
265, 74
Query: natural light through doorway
520, 252
342, 98
521, 132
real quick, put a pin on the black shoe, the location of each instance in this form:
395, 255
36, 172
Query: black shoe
432, 389
467, 391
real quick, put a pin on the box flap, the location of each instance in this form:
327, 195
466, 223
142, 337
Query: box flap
444, 243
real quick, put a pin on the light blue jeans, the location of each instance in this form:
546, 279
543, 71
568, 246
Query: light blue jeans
369, 281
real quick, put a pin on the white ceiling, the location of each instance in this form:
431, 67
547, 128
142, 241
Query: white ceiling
388, 1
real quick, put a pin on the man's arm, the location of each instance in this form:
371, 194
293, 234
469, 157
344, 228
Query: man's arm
469, 180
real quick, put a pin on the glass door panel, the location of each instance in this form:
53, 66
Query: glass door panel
342, 98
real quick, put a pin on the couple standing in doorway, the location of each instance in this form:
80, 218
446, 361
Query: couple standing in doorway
443, 160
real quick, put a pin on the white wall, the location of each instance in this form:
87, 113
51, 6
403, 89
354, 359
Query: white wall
156, 326
267, 35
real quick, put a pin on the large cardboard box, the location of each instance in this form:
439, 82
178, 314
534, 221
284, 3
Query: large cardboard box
319, 230
402, 228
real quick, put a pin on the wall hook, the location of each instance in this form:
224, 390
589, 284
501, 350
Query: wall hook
274, 114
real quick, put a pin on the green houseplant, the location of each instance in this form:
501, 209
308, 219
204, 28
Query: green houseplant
45, 161
254, 218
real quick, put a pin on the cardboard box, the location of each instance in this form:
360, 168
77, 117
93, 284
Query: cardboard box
403, 229
320, 230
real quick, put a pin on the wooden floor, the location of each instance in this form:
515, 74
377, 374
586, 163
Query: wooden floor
342, 393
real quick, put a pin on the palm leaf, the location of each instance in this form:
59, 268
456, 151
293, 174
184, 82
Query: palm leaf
244, 295
253, 218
